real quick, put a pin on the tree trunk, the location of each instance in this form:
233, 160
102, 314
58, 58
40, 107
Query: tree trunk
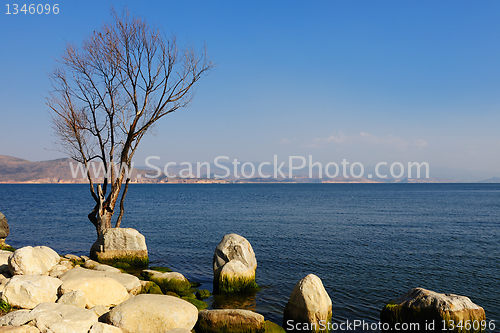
102, 213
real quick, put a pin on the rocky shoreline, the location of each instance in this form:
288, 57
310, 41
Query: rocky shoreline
42, 291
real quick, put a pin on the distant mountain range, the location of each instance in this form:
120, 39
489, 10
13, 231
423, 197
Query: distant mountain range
17, 170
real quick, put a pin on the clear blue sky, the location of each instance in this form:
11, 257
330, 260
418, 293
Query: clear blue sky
368, 81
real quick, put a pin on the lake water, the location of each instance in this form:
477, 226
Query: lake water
367, 242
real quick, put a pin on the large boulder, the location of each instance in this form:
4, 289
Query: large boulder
234, 265
131, 283
98, 290
27, 291
121, 245
309, 306
424, 307
229, 321
60, 318
38, 260
167, 281
148, 313
4, 228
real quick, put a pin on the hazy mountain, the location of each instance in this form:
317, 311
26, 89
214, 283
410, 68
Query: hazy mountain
16, 170
491, 180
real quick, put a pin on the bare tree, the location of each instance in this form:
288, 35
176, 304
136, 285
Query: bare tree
110, 91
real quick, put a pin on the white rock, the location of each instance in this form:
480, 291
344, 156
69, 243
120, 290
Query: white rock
60, 318
27, 291
130, 282
178, 330
29, 260
98, 290
118, 239
16, 318
309, 302
104, 328
148, 313
234, 263
75, 298
234, 247
118, 243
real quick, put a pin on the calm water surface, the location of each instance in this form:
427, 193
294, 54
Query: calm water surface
367, 242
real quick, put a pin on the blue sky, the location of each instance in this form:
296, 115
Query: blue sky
368, 81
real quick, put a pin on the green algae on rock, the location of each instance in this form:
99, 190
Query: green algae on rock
419, 306
171, 281
121, 246
230, 321
234, 265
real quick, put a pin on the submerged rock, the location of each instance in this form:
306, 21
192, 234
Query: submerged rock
121, 245
424, 306
234, 265
167, 281
147, 313
309, 305
230, 321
